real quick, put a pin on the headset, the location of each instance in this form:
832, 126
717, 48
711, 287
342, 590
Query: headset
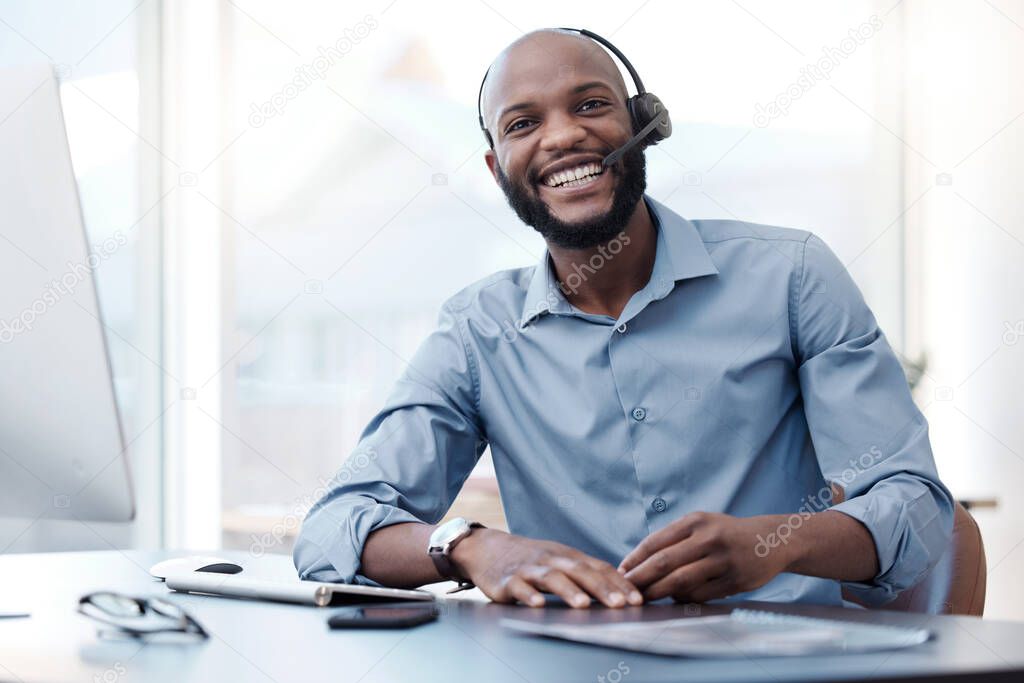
649, 117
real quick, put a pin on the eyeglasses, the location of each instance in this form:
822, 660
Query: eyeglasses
150, 618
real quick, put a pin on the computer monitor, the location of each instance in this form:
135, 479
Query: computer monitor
62, 450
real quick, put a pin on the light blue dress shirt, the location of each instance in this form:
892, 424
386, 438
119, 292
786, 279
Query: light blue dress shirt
746, 375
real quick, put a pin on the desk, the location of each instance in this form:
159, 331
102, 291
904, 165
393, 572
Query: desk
253, 641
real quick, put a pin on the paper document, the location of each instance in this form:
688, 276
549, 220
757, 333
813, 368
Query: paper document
743, 633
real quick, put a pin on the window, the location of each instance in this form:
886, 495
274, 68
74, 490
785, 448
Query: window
355, 200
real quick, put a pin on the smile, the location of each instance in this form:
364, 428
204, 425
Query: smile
584, 174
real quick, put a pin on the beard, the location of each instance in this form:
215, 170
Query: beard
632, 182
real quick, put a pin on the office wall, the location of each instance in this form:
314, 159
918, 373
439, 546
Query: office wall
965, 150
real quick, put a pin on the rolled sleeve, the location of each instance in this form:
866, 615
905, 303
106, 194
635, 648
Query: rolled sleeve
410, 463
868, 435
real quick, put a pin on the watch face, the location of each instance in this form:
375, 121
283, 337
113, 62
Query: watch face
448, 532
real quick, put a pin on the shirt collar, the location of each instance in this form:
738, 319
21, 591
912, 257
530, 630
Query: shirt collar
680, 254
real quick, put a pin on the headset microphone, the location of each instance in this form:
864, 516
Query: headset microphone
614, 157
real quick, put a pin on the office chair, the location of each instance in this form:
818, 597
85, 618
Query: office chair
956, 585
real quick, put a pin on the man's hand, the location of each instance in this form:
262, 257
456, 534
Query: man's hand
706, 555
509, 568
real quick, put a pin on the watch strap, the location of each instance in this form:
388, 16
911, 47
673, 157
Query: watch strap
444, 565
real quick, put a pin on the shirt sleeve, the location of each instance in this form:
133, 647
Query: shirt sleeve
868, 434
409, 464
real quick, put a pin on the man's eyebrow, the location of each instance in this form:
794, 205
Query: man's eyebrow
590, 85
583, 87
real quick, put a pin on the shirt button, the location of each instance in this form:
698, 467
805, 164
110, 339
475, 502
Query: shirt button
659, 504
639, 414
621, 328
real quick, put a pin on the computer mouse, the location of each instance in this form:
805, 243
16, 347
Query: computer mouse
221, 568
193, 563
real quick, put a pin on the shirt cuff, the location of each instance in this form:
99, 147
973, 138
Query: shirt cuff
909, 537
330, 546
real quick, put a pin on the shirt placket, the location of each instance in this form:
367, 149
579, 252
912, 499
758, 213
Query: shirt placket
641, 403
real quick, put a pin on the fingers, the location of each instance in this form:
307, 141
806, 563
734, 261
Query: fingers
625, 586
673, 533
686, 580
518, 589
554, 581
533, 567
600, 580
665, 561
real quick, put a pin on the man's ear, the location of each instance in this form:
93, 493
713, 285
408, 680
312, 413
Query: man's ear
492, 163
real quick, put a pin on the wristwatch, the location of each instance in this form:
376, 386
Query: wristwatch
442, 541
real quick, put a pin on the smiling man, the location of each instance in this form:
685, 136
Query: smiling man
669, 403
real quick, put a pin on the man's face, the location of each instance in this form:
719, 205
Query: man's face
555, 110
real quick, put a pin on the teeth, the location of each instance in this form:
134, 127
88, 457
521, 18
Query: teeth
573, 176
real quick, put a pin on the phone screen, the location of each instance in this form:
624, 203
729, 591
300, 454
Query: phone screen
382, 617
391, 612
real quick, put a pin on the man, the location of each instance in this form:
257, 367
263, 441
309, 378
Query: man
668, 403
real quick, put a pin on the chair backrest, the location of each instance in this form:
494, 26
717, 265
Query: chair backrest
956, 585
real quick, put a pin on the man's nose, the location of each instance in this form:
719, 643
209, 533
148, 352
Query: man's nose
562, 132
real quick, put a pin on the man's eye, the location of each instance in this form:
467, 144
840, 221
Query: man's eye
588, 102
514, 127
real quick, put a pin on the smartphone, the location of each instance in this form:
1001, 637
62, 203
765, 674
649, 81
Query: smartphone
382, 616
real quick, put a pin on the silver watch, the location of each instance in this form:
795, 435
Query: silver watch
443, 541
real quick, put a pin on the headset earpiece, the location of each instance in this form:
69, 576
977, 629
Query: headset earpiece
643, 109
